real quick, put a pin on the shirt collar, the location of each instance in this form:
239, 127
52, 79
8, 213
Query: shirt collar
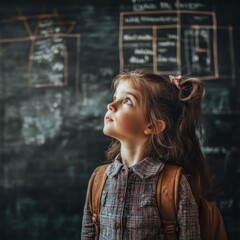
144, 169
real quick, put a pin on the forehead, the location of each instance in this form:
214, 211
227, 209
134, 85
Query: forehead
126, 87
126, 84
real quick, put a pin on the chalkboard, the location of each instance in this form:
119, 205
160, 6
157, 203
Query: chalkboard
57, 62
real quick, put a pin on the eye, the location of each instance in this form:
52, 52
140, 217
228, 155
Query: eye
128, 101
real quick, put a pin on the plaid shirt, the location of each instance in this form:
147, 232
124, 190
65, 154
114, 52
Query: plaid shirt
129, 208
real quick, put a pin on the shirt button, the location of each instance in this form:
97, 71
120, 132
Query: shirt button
121, 198
117, 225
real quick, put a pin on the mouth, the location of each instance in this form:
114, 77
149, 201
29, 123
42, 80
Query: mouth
108, 119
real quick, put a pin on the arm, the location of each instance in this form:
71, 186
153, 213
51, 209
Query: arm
88, 228
187, 216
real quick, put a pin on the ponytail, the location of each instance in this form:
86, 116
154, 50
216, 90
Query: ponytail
189, 130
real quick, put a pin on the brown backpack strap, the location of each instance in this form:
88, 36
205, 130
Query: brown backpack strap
210, 217
167, 199
97, 182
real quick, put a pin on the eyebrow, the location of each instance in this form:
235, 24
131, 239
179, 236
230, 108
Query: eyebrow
132, 94
128, 93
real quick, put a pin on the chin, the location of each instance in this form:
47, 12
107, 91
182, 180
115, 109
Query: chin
107, 132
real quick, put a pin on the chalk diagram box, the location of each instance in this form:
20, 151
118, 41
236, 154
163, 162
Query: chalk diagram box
48, 36
170, 42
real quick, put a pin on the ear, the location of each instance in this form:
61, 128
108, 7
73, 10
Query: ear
161, 126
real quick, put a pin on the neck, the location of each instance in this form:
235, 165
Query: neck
131, 154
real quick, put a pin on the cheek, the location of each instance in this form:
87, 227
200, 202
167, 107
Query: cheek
132, 124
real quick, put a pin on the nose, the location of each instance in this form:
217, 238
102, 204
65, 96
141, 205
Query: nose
111, 107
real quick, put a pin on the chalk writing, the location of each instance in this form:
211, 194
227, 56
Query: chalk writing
48, 53
173, 40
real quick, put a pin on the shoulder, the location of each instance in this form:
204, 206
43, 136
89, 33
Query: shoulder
170, 174
97, 178
176, 174
101, 167
100, 170
175, 180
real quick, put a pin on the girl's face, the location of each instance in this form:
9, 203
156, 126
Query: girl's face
125, 119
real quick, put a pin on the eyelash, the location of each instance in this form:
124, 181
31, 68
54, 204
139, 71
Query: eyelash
125, 100
128, 99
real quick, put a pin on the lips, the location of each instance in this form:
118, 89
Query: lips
108, 118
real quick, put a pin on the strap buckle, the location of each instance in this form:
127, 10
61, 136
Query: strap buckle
94, 218
171, 227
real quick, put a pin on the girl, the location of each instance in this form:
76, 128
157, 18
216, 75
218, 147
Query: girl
153, 121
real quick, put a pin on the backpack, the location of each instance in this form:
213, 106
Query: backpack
210, 218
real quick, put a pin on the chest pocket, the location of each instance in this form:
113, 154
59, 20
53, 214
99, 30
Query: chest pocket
151, 223
148, 200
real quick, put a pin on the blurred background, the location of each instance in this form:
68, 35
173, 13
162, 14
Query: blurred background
57, 61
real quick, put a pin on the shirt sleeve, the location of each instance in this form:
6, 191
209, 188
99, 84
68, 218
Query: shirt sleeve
88, 228
187, 216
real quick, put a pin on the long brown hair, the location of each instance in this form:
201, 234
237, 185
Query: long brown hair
180, 107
